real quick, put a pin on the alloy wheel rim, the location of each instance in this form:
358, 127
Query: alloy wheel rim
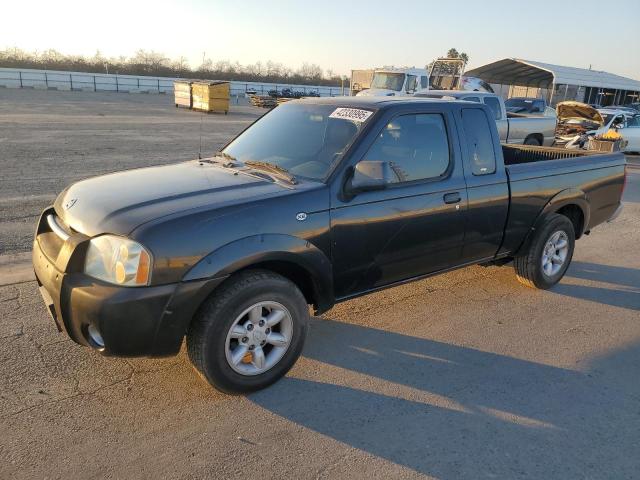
555, 253
258, 338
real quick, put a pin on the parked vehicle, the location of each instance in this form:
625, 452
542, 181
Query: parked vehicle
630, 132
528, 105
628, 110
319, 201
615, 115
397, 82
475, 84
579, 121
512, 127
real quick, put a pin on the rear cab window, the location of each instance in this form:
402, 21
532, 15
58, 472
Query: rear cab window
494, 105
479, 141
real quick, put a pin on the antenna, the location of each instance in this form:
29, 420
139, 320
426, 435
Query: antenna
200, 149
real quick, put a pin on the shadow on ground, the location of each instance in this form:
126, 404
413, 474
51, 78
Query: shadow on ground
624, 289
461, 413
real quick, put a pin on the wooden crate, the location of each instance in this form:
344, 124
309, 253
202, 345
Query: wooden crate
210, 96
604, 145
182, 93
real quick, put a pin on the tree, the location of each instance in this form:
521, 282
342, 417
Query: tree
156, 63
310, 71
180, 64
453, 53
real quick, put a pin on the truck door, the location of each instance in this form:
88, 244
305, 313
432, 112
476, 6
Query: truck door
487, 186
415, 225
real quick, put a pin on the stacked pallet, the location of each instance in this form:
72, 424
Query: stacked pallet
263, 101
267, 101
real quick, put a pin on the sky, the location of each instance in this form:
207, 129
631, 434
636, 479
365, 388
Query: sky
339, 36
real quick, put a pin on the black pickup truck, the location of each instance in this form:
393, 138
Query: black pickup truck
317, 202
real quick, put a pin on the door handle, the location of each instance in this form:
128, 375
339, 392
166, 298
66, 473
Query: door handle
453, 197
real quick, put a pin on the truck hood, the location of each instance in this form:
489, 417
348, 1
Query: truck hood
578, 111
119, 202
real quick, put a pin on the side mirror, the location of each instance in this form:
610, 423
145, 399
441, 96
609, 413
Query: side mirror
371, 175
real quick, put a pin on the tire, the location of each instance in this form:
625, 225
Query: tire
533, 141
529, 264
211, 349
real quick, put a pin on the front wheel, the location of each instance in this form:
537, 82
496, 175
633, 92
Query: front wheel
549, 254
250, 333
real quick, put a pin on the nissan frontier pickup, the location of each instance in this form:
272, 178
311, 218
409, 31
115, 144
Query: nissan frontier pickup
317, 202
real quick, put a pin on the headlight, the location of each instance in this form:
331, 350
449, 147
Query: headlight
118, 260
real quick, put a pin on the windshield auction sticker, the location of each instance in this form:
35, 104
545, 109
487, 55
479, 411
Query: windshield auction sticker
353, 114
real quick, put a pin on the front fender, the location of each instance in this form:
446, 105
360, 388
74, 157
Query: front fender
257, 249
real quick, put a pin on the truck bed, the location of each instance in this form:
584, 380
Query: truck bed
517, 154
594, 179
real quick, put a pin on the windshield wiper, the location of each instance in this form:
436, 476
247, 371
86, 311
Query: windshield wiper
272, 168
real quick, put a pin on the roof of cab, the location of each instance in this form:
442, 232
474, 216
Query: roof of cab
454, 93
364, 102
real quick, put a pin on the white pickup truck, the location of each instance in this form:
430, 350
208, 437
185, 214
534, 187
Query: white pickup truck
399, 82
514, 128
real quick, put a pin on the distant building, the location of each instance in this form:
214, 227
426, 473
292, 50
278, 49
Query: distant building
514, 77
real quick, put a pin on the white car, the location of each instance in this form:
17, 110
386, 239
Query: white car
631, 133
475, 84
626, 123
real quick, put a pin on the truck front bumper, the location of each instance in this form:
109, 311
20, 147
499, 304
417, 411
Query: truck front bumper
119, 321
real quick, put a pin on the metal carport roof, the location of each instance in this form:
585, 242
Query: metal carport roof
515, 71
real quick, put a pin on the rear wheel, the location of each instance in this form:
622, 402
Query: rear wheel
549, 254
534, 141
250, 333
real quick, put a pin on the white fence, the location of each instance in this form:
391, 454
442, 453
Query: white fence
103, 82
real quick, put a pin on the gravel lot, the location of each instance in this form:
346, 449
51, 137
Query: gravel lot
467, 375
51, 139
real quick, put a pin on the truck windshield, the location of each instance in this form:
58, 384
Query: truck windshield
388, 81
304, 139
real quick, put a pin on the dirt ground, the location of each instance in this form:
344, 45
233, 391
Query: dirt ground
468, 375
51, 139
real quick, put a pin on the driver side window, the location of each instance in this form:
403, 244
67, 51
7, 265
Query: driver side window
634, 122
415, 146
